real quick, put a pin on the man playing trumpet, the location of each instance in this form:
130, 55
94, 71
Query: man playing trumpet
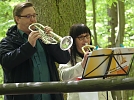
24, 58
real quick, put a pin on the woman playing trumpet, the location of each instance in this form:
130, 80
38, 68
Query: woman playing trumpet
73, 69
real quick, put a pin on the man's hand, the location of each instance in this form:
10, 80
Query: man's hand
47, 29
33, 36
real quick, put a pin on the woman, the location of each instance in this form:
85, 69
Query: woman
74, 68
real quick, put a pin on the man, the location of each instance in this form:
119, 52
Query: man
25, 58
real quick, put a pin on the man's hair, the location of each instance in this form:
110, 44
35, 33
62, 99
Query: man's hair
19, 8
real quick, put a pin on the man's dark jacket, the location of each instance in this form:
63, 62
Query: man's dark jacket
15, 58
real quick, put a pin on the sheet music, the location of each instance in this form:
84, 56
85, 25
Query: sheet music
123, 60
99, 62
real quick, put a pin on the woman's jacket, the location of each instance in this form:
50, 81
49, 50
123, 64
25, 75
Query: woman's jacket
71, 73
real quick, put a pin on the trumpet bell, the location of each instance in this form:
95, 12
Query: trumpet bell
87, 48
66, 42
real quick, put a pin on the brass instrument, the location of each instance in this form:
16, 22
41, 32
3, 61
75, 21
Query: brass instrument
52, 38
87, 47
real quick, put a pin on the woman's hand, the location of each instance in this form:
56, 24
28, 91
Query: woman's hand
84, 59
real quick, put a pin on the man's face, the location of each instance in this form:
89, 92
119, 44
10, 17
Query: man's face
27, 17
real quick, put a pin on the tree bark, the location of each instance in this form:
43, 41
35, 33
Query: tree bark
94, 22
60, 14
112, 12
86, 85
121, 23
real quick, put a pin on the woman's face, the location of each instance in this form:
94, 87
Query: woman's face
81, 40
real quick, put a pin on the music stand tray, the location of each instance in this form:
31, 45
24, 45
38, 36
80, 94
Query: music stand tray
108, 62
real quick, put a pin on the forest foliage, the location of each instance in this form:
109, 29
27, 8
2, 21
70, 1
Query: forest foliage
102, 18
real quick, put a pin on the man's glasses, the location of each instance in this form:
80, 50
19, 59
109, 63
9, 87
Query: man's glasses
81, 38
29, 16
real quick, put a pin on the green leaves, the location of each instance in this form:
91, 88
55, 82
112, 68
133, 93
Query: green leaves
6, 18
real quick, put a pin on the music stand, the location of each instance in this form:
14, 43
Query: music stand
108, 62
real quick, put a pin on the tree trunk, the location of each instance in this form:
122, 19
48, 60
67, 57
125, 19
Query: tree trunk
94, 22
121, 23
87, 85
119, 40
112, 12
60, 14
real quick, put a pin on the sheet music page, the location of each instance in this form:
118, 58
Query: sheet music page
96, 66
98, 60
124, 61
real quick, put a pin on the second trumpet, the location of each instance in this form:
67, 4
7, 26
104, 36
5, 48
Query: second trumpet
52, 38
87, 47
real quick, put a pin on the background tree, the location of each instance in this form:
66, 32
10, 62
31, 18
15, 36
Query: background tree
60, 14
113, 22
94, 22
121, 23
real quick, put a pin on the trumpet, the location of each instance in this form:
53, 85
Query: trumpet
87, 47
52, 38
